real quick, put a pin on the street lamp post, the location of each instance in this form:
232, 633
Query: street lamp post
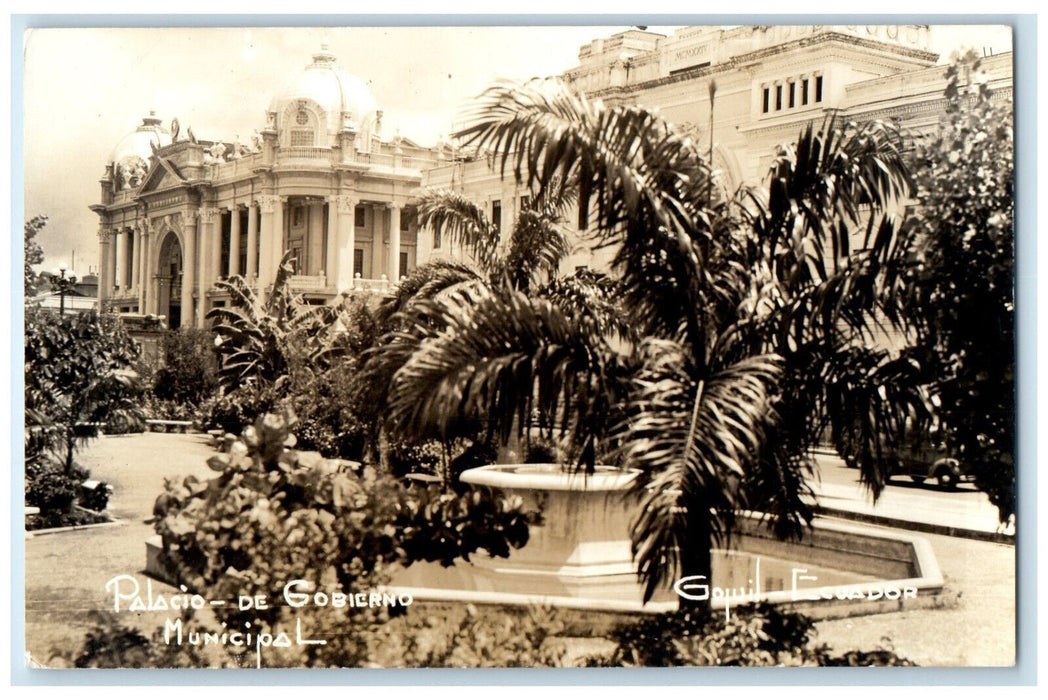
61, 292
64, 285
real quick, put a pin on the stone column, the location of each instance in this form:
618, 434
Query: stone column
207, 269
331, 243
279, 249
314, 239
378, 262
347, 243
271, 238
394, 242
143, 268
189, 261
113, 260
104, 272
210, 247
136, 245
252, 242
121, 260
148, 271
234, 241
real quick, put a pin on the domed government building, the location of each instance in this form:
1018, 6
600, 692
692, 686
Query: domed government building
179, 213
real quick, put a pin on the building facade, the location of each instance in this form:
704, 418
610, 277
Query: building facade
747, 90
179, 214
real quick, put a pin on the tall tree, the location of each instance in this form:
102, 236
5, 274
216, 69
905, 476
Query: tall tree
961, 236
751, 316
33, 254
77, 371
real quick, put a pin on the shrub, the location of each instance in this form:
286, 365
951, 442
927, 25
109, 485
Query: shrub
273, 515
124, 423
49, 487
753, 635
188, 371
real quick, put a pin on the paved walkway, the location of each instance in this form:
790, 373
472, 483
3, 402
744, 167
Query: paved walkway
964, 512
66, 572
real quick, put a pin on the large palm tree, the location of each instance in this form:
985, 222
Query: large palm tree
752, 316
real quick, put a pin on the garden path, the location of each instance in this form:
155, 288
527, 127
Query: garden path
66, 572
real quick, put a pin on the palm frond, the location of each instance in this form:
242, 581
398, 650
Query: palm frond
461, 220
694, 440
425, 282
502, 358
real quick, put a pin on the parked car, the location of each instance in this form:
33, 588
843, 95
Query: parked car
929, 462
922, 461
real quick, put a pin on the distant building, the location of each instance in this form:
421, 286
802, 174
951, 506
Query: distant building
82, 296
177, 214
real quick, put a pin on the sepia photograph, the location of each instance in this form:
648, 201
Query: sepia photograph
580, 346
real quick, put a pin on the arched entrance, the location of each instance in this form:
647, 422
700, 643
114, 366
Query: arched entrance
169, 280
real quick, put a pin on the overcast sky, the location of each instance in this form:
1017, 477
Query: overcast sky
84, 89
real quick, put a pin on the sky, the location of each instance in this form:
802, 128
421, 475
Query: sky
84, 89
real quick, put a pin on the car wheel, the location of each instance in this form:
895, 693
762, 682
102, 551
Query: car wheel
947, 479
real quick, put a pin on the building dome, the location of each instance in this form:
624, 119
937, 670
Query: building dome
325, 96
130, 157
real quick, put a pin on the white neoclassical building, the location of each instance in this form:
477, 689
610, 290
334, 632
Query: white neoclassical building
178, 214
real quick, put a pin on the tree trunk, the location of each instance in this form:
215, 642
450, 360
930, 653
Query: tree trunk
697, 557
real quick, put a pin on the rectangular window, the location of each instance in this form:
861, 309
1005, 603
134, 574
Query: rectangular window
793, 90
778, 97
767, 100
403, 265
405, 220
296, 216
525, 203
818, 88
358, 217
496, 215
302, 138
358, 262
804, 91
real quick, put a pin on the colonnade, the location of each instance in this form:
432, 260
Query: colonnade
129, 254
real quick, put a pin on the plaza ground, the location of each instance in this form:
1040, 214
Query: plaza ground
66, 572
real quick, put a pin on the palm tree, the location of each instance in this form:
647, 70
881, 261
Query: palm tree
752, 318
427, 303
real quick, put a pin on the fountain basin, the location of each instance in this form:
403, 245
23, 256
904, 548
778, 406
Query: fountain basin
579, 557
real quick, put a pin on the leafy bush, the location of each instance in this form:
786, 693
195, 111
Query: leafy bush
49, 487
96, 499
124, 423
272, 515
52, 489
753, 635
188, 371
